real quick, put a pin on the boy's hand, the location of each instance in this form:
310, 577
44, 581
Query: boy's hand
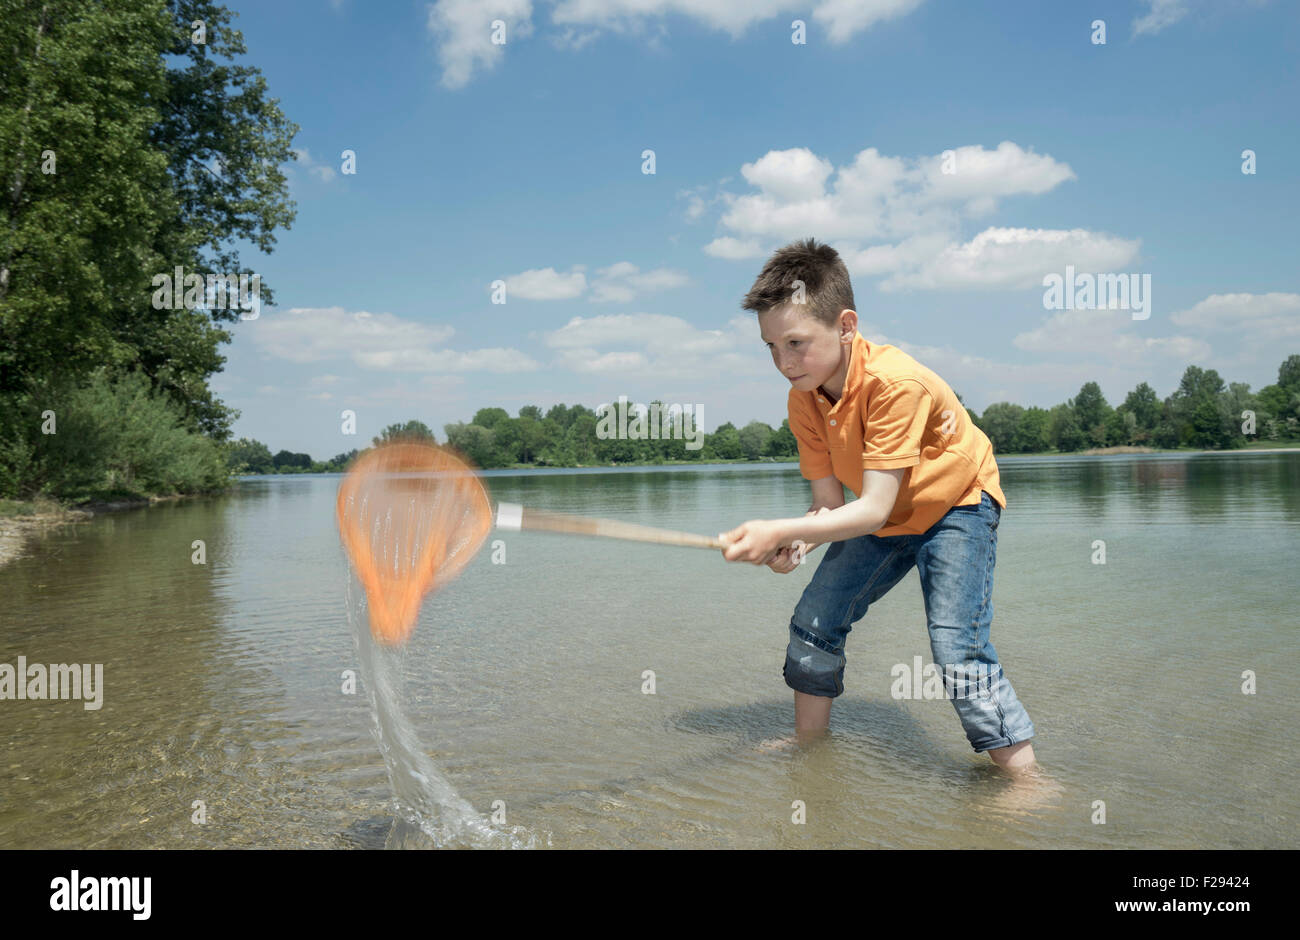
757, 541
789, 558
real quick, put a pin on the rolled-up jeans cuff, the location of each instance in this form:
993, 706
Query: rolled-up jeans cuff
810, 667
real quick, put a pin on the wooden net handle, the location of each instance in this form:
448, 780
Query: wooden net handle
514, 516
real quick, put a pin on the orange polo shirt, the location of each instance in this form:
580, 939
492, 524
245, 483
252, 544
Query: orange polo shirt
894, 413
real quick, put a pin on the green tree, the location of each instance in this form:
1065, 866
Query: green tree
580, 439
288, 462
1064, 431
999, 422
509, 441
1279, 404
560, 415
410, 431
754, 438
87, 194
1144, 405
1199, 411
249, 456
475, 442
724, 443
341, 462
1288, 373
1033, 431
490, 417
783, 442
609, 446
225, 140
1121, 428
1091, 411
1279, 412
532, 435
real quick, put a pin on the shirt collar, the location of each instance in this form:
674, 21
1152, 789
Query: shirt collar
853, 377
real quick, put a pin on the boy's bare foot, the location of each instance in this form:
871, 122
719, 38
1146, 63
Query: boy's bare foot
801, 736
1025, 792
777, 744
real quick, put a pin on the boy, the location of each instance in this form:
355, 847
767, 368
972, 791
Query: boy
870, 417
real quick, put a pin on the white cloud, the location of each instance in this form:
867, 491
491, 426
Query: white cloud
1273, 316
1006, 258
733, 249
495, 359
624, 282
697, 202
658, 346
373, 341
546, 284
1107, 335
965, 372
619, 283
909, 255
879, 197
462, 28
1160, 14
321, 171
914, 211
441, 389
315, 334
843, 18
789, 175
573, 39
979, 174
463, 32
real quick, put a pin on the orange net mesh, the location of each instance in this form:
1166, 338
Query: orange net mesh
411, 516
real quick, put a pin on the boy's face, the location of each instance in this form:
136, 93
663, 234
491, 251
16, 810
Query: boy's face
804, 349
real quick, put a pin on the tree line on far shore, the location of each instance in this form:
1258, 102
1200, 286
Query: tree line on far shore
1202, 413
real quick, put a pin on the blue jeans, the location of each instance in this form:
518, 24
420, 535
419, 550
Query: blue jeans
955, 562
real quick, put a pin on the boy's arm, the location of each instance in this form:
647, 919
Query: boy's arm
759, 540
860, 517
827, 492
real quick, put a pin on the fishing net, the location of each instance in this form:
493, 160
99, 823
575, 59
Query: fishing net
411, 516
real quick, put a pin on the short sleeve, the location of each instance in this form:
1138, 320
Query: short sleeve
896, 419
805, 424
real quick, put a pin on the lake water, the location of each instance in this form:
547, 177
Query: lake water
223, 682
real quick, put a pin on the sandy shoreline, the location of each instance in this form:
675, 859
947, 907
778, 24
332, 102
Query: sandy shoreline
15, 530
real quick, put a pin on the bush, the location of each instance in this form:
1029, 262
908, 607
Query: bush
113, 436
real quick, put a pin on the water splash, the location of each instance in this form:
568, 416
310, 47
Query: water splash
429, 812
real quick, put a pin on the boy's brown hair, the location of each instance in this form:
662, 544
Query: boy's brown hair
826, 282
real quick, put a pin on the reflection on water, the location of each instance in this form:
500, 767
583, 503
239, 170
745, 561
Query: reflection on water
430, 814
521, 689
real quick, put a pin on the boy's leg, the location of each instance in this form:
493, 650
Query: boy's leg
852, 575
811, 712
955, 562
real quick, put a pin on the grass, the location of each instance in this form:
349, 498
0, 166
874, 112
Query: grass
40, 506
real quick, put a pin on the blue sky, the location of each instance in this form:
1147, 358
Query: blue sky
522, 163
